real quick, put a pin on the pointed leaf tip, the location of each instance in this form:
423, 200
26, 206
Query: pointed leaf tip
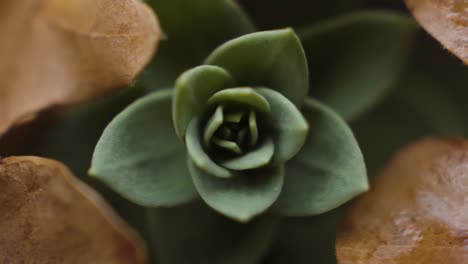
273, 59
192, 91
139, 155
328, 171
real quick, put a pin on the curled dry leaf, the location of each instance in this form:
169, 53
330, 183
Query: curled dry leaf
64, 51
49, 216
445, 20
417, 211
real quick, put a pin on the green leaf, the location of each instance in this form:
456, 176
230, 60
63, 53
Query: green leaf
254, 159
242, 197
289, 128
242, 95
253, 128
328, 171
71, 135
193, 29
235, 117
196, 234
139, 156
273, 59
215, 121
356, 59
228, 145
198, 155
418, 106
192, 91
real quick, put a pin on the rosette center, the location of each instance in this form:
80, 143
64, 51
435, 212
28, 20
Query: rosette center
231, 130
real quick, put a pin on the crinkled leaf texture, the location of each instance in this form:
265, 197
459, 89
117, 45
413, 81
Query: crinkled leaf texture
193, 29
416, 212
69, 51
356, 59
328, 171
140, 156
48, 216
194, 233
445, 20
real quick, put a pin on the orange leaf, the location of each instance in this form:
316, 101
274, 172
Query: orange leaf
417, 211
65, 51
445, 20
49, 216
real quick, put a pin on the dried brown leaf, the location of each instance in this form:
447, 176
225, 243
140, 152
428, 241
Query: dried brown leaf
445, 20
416, 212
49, 216
65, 51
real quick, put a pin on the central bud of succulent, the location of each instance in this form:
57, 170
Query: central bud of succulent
232, 124
231, 131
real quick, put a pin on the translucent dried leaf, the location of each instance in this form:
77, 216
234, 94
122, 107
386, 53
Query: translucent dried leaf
49, 216
64, 51
445, 20
417, 211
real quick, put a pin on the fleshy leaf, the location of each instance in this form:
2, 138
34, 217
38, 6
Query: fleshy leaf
69, 51
446, 20
353, 63
235, 117
41, 201
193, 30
209, 238
242, 197
416, 211
418, 106
197, 152
253, 128
273, 59
228, 145
50, 135
192, 91
328, 171
215, 121
256, 158
242, 95
289, 128
140, 157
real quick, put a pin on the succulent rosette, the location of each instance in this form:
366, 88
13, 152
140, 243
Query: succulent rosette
213, 57
238, 131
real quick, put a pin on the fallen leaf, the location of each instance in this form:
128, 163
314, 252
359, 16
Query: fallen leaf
49, 216
416, 212
445, 20
65, 51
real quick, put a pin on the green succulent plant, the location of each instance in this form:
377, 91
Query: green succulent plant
251, 137
354, 61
